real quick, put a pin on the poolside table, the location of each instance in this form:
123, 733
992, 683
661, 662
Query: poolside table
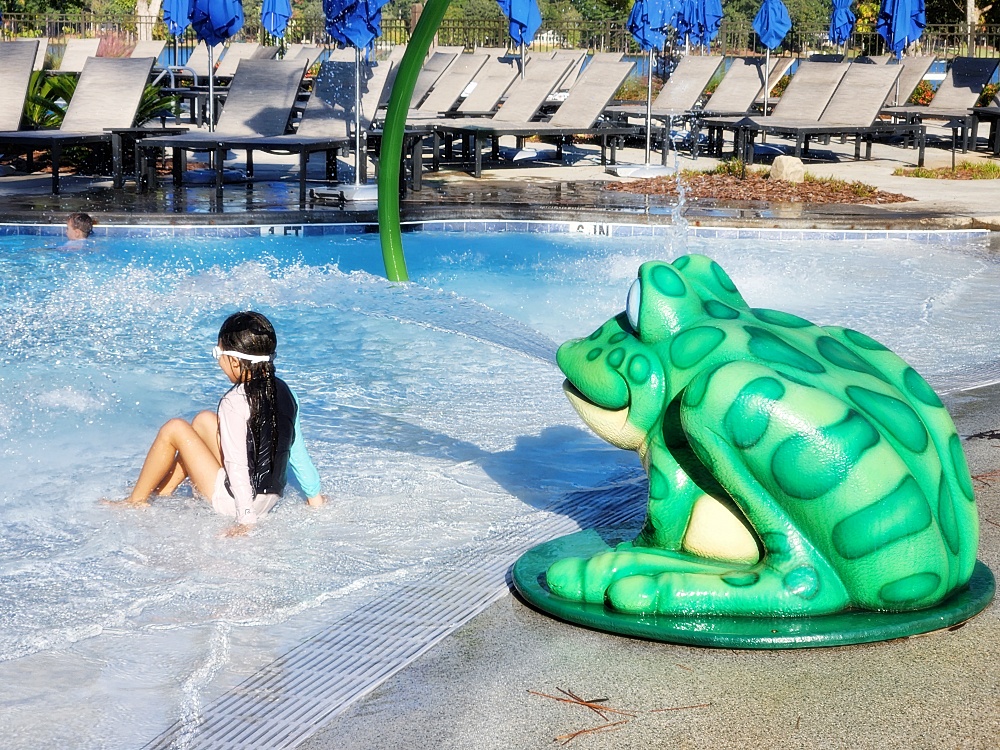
127, 137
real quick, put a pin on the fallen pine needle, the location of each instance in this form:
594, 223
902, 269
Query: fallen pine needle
990, 520
679, 708
567, 738
589, 704
585, 704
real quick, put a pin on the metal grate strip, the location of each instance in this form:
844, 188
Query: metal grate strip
283, 703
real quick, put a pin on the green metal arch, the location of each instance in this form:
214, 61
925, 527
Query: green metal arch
391, 156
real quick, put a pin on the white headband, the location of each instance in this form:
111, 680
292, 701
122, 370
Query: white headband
253, 358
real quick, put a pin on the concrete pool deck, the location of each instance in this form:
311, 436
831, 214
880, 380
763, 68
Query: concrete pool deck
539, 189
472, 690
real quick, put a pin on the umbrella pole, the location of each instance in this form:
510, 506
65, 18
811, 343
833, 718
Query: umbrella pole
649, 106
357, 116
767, 77
211, 90
522, 58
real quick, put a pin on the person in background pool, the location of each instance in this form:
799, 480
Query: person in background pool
237, 457
79, 226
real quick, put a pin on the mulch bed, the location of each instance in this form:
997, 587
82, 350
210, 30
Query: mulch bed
758, 187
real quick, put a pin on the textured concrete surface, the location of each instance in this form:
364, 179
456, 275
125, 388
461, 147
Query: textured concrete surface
940, 690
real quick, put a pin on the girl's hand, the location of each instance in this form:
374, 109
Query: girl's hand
316, 501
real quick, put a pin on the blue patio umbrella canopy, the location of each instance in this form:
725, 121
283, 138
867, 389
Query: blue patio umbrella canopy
649, 20
177, 15
771, 23
214, 21
525, 19
699, 20
841, 21
354, 23
900, 23
274, 15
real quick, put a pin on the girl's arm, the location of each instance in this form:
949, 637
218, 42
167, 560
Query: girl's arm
303, 470
234, 414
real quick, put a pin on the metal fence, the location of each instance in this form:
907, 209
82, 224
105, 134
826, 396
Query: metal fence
942, 40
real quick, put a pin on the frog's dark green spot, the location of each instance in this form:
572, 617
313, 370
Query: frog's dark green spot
639, 368
947, 517
865, 342
682, 262
617, 338
961, 467
777, 546
802, 582
838, 354
748, 416
779, 318
691, 346
723, 278
896, 417
616, 357
809, 465
919, 388
901, 513
770, 348
719, 310
695, 392
739, 579
912, 588
594, 353
667, 281
596, 334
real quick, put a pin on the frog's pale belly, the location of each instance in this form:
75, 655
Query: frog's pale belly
833, 462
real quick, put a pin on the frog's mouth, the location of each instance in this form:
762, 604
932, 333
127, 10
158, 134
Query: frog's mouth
610, 424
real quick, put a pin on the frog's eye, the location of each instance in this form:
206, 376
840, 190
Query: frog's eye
632, 304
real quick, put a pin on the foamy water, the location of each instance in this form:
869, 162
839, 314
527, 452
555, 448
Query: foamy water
433, 412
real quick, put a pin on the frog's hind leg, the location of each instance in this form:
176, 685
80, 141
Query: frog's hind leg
735, 417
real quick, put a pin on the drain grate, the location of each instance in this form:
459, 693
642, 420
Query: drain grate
283, 703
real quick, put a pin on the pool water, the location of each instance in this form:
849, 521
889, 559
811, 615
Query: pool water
433, 412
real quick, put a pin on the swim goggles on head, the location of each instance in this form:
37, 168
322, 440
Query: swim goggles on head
218, 351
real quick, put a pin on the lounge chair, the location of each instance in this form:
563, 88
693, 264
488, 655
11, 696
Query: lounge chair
955, 97
680, 92
17, 61
76, 53
741, 86
577, 115
449, 87
492, 81
107, 96
196, 66
852, 110
43, 49
260, 102
149, 48
912, 73
577, 57
805, 98
429, 74
308, 52
327, 123
234, 53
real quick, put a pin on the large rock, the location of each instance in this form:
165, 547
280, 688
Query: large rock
788, 169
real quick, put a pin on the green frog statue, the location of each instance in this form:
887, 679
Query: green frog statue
794, 469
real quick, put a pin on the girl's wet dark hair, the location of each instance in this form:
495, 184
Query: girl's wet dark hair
250, 332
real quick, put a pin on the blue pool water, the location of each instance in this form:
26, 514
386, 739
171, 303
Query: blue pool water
433, 411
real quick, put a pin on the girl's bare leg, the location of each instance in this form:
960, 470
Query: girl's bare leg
177, 444
206, 424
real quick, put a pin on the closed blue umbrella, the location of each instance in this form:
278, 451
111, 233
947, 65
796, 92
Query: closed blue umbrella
525, 19
647, 23
900, 23
274, 15
177, 15
213, 22
771, 23
841, 21
355, 23
698, 21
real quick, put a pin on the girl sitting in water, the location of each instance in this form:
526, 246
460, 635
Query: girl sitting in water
237, 459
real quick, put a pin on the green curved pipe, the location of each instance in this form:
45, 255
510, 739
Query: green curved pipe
392, 139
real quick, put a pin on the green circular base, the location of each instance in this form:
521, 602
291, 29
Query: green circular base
840, 629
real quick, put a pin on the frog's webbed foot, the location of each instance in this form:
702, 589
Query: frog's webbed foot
675, 583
